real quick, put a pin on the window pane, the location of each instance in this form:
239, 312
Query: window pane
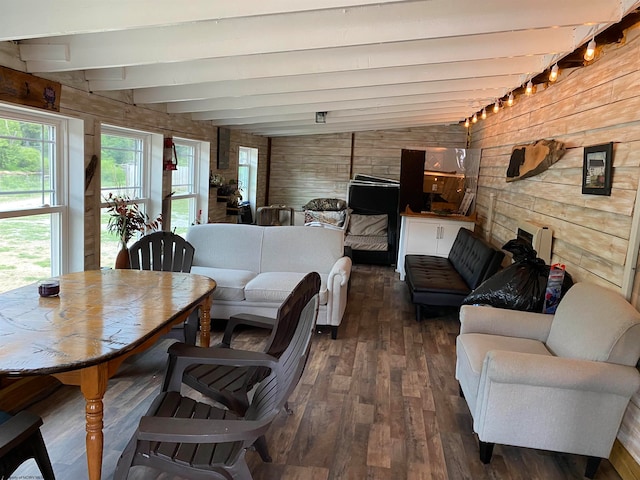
25, 253
182, 179
121, 165
243, 181
181, 215
27, 156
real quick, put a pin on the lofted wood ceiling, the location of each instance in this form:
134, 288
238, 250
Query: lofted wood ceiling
267, 66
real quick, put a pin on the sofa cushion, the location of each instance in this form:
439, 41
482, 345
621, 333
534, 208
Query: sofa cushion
230, 284
374, 225
276, 286
474, 258
301, 249
433, 281
271, 286
221, 245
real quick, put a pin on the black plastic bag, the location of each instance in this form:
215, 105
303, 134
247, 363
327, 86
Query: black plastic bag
520, 286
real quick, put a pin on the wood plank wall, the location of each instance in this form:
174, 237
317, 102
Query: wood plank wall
586, 106
307, 167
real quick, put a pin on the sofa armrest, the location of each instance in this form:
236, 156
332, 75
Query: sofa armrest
501, 321
337, 291
340, 273
552, 403
560, 373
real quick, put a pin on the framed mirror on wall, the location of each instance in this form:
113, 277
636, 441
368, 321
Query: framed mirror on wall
596, 169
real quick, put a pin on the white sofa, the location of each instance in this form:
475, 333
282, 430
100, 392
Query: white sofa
256, 267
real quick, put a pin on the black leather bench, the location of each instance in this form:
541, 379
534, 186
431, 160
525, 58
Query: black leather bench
446, 281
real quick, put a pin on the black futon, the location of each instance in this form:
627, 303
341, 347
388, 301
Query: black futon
446, 281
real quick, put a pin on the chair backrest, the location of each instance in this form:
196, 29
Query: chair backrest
289, 313
287, 321
474, 258
272, 392
162, 251
595, 323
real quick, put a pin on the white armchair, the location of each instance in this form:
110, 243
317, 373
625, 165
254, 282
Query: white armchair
552, 382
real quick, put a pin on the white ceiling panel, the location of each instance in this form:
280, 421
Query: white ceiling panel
266, 66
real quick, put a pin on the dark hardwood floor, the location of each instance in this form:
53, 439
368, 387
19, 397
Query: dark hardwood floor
380, 402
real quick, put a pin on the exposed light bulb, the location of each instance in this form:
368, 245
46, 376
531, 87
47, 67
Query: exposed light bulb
484, 113
510, 99
474, 119
529, 89
553, 75
466, 122
590, 52
496, 107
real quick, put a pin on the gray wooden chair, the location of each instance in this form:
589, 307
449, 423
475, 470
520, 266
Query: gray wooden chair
21, 440
231, 385
196, 440
167, 252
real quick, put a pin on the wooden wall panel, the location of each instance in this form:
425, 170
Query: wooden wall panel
307, 167
591, 233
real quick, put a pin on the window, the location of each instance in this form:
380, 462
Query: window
41, 202
130, 165
248, 175
189, 185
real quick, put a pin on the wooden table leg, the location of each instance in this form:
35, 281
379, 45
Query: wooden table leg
205, 322
93, 383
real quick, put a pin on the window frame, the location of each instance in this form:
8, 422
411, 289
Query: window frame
150, 198
199, 181
252, 166
67, 221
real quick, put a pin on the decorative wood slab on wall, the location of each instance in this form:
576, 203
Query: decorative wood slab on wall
28, 90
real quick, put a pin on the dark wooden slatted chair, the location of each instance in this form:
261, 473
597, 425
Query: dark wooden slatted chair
21, 440
230, 385
196, 440
162, 251
167, 252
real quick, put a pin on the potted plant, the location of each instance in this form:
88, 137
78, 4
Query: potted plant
231, 193
125, 219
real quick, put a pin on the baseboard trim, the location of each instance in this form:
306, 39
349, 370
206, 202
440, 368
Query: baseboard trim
623, 462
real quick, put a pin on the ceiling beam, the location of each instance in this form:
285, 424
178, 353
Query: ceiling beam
352, 79
92, 16
485, 97
327, 128
235, 117
418, 52
343, 94
313, 30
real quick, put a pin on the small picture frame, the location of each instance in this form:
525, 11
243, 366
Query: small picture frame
596, 169
224, 141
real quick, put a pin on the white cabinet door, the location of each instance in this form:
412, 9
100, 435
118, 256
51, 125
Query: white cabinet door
422, 237
448, 233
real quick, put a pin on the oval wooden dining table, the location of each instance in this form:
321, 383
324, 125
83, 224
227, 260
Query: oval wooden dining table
99, 318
